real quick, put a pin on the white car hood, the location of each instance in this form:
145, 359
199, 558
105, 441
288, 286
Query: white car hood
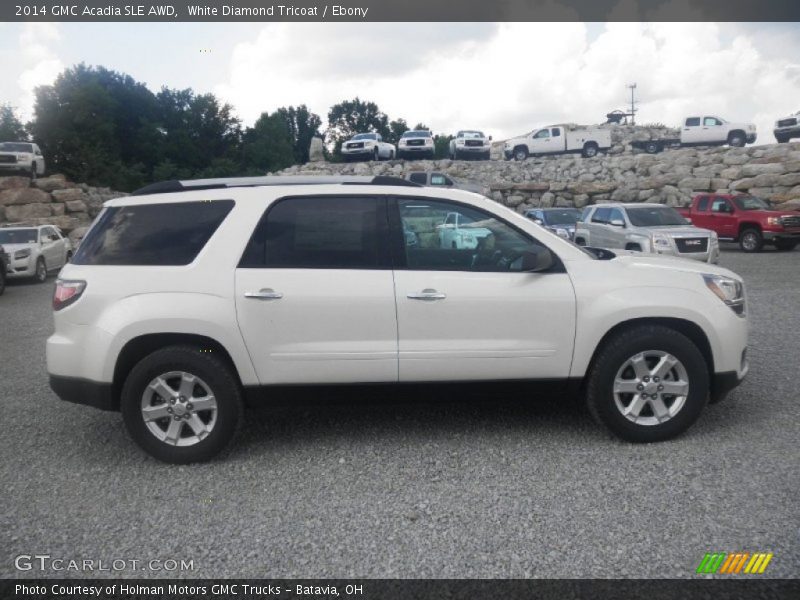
673, 263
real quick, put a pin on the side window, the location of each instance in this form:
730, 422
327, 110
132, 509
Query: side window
702, 203
556, 131
601, 215
544, 133
320, 233
481, 242
585, 214
450, 219
419, 177
441, 180
693, 122
152, 234
711, 122
616, 215
720, 205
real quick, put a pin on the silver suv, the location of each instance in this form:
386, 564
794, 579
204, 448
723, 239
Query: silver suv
645, 228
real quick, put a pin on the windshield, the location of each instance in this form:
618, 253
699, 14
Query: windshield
17, 236
417, 134
561, 217
15, 147
751, 203
470, 134
655, 216
365, 136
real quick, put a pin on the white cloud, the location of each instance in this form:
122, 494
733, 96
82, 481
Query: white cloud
508, 78
38, 61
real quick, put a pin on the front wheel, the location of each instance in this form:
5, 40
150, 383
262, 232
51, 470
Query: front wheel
376, 156
751, 240
182, 404
520, 153
648, 384
652, 148
40, 275
737, 140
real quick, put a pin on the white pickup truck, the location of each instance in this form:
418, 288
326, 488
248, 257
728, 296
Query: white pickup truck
21, 156
367, 146
559, 139
787, 128
706, 130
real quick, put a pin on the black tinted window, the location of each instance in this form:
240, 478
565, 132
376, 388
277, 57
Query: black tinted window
601, 215
702, 203
419, 178
152, 234
320, 233
693, 122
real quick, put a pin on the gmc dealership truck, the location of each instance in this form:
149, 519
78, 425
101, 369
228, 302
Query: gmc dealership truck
704, 131
559, 139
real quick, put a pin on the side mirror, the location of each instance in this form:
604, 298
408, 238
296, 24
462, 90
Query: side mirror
617, 223
533, 262
538, 221
490, 138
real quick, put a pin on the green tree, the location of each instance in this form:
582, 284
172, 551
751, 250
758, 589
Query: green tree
441, 144
303, 125
268, 145
396, 129
11, 128
354, 116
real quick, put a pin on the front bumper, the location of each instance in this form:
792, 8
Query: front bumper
772, 236
21, 267
360, 154
415, 150
84, 391
790, 132
472, 149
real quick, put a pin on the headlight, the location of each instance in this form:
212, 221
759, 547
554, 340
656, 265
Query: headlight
459, 142
661, 241
776, 221
507, 146
730, 291
401, 143
22, 253
562, 232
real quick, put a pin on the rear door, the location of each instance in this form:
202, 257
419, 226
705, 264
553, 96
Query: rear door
315, 292
470, 313
691, 132
722, 219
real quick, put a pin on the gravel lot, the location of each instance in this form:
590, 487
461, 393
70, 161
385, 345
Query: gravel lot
422, 484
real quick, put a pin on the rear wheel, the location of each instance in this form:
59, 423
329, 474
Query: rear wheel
182, 405
40, 275
751, 240
590, 150
652, 148
648, 383
786, 245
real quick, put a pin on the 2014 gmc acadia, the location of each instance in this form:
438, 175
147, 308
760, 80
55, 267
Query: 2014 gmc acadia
187, 298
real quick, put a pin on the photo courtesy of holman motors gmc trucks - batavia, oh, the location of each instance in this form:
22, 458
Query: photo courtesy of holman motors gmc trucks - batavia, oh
274, 281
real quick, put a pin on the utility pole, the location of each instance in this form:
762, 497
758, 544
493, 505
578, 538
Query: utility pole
632, 88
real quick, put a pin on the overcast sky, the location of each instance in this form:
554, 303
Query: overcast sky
504, 78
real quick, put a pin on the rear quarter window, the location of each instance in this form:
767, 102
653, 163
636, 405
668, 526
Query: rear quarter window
152, 234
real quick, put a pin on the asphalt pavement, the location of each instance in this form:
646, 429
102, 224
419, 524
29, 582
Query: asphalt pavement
417, 484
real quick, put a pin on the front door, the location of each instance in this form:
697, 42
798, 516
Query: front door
471, 313
315, 293
541, 142
722, 219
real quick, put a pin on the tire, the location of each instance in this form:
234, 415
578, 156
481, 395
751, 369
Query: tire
69, 256
652, 148
391, 155
376, 156
212, 376
590, 150
2, 280
782, 139
786, 245
40, 275
751, 240
737, 140
33, 171
487, 156
520, 153
652, 419
580, 242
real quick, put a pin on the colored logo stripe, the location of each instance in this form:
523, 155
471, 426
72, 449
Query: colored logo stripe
722, 562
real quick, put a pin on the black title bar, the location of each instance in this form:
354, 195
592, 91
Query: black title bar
401, 10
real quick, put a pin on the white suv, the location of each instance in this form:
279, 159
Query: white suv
34, 251
188, 297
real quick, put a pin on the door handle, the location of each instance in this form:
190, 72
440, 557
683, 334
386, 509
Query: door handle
428, 294
264, 294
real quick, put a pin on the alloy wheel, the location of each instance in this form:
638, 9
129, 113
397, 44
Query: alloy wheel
179, 408
651, 387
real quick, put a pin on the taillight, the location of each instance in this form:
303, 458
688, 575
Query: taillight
67, 292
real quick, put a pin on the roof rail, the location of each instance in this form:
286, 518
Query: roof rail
165, 187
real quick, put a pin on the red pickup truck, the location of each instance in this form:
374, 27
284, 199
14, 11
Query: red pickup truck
745, 219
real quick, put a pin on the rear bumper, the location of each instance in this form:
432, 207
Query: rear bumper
83, 391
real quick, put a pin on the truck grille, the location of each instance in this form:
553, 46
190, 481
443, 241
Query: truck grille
355, 145
686, 245
7, 158
415, 142
473, 142
790, 222
787, 122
